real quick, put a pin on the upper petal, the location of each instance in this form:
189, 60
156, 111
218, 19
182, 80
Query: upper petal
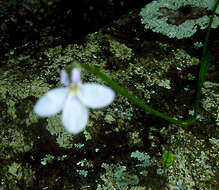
95, 95
74, 115
51, 103
64, 77
75, 76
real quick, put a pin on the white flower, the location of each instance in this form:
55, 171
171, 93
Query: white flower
74, 101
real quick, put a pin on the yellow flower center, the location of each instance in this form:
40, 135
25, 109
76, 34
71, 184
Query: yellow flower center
73, 89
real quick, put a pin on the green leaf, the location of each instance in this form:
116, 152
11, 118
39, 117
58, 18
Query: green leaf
167, 158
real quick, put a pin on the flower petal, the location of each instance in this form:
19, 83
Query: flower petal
51, 103
75, 76
95, 95
75, 115
64, 77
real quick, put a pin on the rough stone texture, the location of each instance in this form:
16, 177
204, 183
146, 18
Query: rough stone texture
38, 152
196, 162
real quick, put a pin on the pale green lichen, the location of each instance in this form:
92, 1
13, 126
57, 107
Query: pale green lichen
17, 172
79, 145
165, 83
109, 118
211, 99
63, 138
13, 142
118, 176
144, 159
198, 45
61, 158
120, 51
134, 138
198, 117
183, 60
215, 146
161, 16
13, 170
82, 172
82, 162
87, 135
124, 113
194, 164
84, 166
48, 159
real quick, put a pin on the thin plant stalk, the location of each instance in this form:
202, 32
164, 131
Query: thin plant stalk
205, 61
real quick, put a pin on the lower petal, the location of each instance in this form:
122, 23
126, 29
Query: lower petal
75, 115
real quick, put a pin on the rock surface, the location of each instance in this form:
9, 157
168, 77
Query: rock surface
37, 153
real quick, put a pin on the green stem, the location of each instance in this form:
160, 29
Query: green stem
205, 61
132, 98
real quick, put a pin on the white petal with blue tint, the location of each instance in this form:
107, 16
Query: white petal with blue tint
64, 77
51, 103
74, 115
76, 76
95, 95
